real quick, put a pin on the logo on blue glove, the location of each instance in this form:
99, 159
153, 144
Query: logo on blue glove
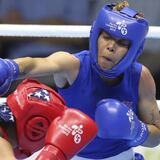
130, 115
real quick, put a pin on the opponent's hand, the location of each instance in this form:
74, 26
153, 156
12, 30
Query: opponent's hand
116, 121
67, 135
9, 71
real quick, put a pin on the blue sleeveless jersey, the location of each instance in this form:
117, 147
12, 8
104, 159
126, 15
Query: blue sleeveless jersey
88, 89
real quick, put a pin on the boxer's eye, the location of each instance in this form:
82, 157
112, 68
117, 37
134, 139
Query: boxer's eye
124, 43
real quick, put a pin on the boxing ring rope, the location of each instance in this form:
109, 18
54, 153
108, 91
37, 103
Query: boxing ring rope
68, 31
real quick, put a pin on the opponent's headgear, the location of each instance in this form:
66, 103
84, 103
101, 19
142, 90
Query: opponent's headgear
34, 106
120, 24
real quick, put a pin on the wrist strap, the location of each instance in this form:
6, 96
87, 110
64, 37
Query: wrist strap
141, 136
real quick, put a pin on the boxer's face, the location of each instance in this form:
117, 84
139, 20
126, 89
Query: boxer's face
111, 50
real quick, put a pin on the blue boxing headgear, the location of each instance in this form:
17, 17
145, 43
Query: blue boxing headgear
120, 24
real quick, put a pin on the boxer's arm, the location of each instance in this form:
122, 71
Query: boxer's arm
6, 151
148, 109
57, 62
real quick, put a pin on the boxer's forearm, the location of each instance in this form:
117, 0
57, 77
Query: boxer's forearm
153, 138
26, 66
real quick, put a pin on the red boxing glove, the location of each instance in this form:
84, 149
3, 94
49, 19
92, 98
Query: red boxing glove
34, 106
67, 135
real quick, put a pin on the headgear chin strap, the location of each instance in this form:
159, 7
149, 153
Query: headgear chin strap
120, 24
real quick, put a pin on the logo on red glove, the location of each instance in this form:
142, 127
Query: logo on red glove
75, 130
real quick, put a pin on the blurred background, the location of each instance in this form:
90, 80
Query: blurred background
71, 12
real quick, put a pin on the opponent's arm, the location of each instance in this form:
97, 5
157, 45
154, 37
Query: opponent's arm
6, 151
148, 109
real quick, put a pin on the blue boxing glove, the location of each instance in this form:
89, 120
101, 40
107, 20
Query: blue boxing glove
116, 121
9, 71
